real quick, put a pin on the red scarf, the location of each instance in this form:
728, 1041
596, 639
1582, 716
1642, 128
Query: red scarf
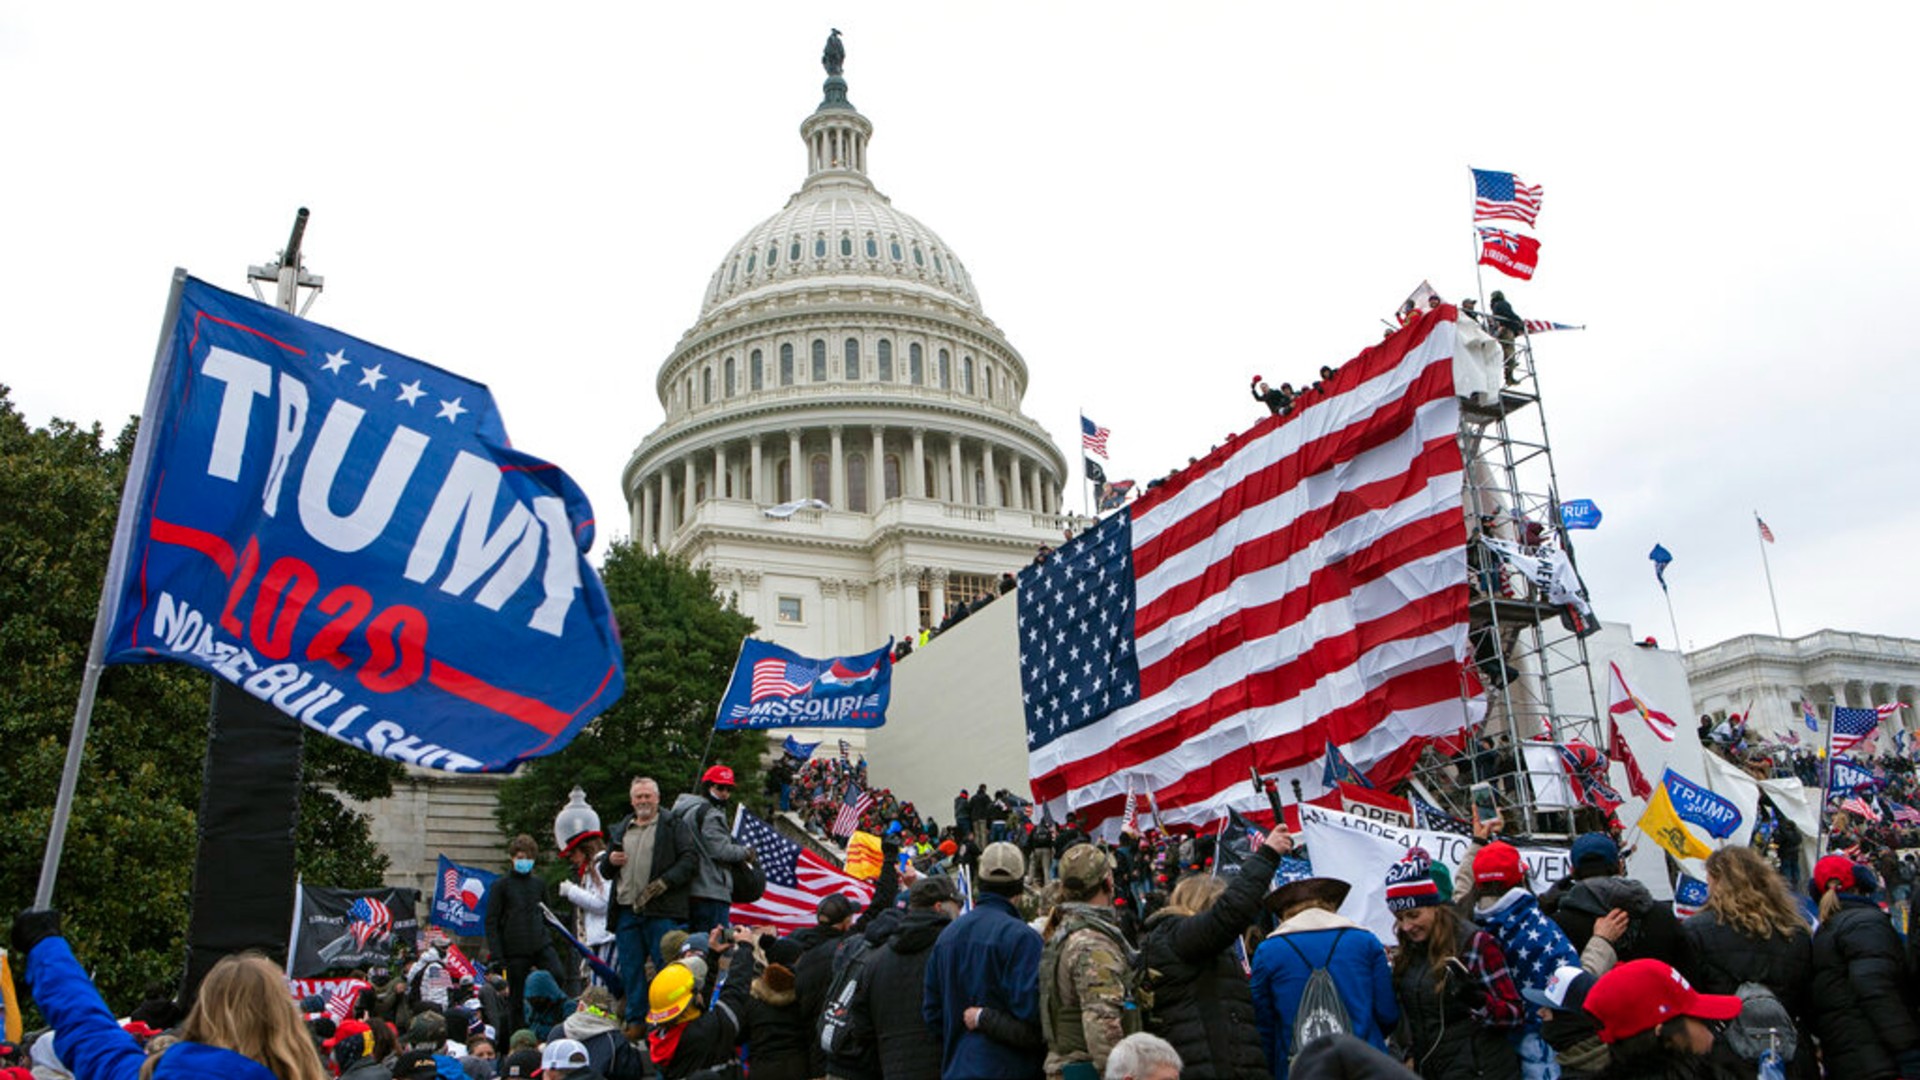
663, 1042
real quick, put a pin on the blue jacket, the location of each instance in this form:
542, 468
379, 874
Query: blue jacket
1359, 968
91, 1043
987, 957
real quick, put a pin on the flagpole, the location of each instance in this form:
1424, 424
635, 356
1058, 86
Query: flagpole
1479, 276
109, 590
1086, 482
1768, 567
1826, 788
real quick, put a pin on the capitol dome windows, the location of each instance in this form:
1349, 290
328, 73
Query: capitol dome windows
732, 385
873, 247
916, 368
706, 386
773, 255
756, 375
937, 268
818, 373
820, 246
846, 245
918, 259
945, 371
890, 477
752, 259
883, 361
857, 482
987, 371
786, 365
966, 375
852, 349
894, 247
819, 478
793, 251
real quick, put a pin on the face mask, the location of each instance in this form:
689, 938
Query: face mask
523, 866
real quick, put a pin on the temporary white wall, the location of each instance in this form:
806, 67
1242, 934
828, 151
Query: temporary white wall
956, 719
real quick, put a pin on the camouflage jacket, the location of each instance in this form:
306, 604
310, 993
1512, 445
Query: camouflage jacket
1086, 989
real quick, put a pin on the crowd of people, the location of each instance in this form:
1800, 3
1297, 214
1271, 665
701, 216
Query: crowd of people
1014, 948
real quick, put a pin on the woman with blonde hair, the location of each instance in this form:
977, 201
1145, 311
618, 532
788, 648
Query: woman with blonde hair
1751, 931
243, 1025
1201, 1001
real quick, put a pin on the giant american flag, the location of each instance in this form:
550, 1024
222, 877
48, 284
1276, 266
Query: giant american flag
1304, 584
797, 879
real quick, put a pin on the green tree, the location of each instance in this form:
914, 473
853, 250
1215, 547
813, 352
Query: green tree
127, 869
680, 644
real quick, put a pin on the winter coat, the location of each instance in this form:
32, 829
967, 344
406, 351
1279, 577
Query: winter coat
860, 1060
710, 1039
514, 924
1201, 1001
813, 972
543, 1018
365, 1068
598, 1034
990, 958
891, 995
1446, 1041
675, 861
1862, 1006
91, 1042
1351, 955
708, 824
1652, 931
777, 1033
1717, 958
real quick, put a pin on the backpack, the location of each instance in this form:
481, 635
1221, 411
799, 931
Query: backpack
838, 1037
1133, 971
1763, 1024
1320, 1012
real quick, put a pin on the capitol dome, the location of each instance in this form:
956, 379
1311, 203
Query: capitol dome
843, 445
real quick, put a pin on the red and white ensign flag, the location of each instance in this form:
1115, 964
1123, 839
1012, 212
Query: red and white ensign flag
1303, 584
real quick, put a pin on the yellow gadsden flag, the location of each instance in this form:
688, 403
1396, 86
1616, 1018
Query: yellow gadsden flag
1664, 827
863, 856
15, 1024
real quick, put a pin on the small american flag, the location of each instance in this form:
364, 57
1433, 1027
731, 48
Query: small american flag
797, 879
1502, 195
1541, 326
340, 1002
368, 919
1859, 807
1889, 709
846, 751
856, 802
1904, 814
774, 677
1093, 437
1851, 727
1765, 533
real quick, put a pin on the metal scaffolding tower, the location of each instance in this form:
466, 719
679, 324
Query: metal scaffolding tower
1528, 656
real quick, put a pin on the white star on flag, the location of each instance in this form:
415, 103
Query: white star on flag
335, 361
450, 410
371, 376
410, 392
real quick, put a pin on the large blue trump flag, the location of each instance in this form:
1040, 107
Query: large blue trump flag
344, 532
774, 687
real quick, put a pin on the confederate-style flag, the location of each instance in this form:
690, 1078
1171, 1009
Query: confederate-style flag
1509, 252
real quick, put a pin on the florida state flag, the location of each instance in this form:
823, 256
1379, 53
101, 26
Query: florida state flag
1509, 252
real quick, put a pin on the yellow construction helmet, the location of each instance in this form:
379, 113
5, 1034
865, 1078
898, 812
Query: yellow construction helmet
670, 994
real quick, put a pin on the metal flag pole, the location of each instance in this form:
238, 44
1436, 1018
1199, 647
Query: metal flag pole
102, 620
1086, 482
1826, 786
1760, 539
1668, 594
1479, 276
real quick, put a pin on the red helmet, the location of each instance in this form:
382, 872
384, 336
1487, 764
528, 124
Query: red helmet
718, 774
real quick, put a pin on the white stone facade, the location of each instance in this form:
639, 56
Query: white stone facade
842, 355
1773, 675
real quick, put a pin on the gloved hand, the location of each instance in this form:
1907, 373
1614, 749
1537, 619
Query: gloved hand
652, 892
33, 926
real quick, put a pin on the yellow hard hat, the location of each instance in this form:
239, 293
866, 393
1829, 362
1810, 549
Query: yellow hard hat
670, 993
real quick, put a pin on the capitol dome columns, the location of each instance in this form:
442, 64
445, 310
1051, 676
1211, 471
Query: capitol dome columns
917, 479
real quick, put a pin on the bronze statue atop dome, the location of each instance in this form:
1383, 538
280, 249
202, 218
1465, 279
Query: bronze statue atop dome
835, 56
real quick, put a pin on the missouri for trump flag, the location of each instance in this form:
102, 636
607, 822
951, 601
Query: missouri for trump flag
1302, 586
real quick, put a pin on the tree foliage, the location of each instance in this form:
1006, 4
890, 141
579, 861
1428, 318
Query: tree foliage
127, 869
680, 645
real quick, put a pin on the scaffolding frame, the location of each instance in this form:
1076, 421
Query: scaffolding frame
1531, 666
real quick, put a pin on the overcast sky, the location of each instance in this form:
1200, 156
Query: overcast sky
1154, 205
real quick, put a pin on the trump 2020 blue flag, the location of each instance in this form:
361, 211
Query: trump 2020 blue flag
774, 687
460, 898
1580, 514
1699, 806
343, 531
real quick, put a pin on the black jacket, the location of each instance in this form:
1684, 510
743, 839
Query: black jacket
813, 972
514, 925
777, 1034
1717, 958
891, 995
711, 1039
1862, 1006
860, 1059
674, 861
1201, 1001
1446, 1042
1652, 931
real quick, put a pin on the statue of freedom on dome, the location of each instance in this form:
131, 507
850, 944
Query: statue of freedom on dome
835, 56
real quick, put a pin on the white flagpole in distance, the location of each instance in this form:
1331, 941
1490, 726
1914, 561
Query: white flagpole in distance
1761, 539
109, 592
